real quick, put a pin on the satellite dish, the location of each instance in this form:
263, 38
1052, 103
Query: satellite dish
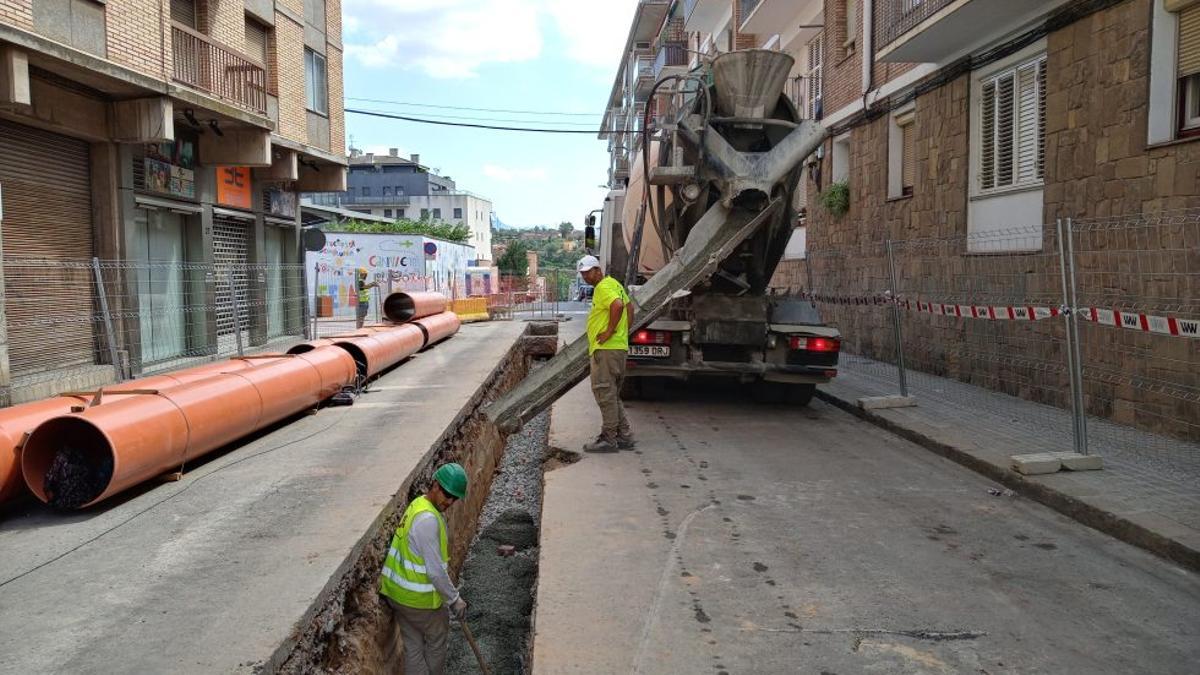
314, 239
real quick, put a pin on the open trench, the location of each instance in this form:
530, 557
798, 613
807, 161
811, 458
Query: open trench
347, 631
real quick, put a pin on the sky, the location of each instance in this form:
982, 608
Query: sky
531, 55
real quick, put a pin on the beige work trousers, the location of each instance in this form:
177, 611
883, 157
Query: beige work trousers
424, 633
608, 373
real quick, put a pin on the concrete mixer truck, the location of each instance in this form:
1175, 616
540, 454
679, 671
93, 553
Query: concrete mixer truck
708, 214
728, 325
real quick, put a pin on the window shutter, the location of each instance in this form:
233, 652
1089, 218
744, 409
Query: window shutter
908, 157
1189, 41
1028, 113
256, 41
987, 168
1041, 129
184, 12
1005, 129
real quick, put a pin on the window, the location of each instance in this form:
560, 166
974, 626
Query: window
316, 83
1189, 70
256, 41
816, 59
184, 12
458, 213
849, 24
399, 191
366, 191
841, 159
387, 191
424, 214
437, 214
400, 213
901, 154
1012, 118
387, 213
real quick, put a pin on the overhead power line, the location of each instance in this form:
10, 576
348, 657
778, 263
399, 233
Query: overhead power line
444, 123
472, 118
452, 107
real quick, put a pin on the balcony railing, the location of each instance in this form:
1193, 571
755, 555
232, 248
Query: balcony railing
670, 54
748, 7
806, 94
347, 199
894, 18
218, 70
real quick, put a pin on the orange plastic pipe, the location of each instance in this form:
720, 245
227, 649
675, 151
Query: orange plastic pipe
146, 435
405, 307
23, 418
373, 349
438, 327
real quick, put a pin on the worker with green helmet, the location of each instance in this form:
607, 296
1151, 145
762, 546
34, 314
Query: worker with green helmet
414, 584
363, 290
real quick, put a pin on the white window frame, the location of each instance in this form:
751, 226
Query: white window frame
316, 82
816, 63
839, 163
1018, 132
998, 210
1191, 102
902, 117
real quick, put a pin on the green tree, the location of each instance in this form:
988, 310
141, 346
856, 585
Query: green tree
437, 229
565, 229
514, 261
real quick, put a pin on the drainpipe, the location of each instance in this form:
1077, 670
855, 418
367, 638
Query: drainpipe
868, 43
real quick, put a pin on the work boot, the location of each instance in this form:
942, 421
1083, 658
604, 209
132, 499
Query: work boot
625, 442
601, 444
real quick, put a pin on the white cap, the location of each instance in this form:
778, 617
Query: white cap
586, 263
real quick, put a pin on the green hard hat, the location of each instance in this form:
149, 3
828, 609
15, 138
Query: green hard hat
453, 479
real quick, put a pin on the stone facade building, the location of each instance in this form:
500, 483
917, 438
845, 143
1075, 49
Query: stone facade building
161, 137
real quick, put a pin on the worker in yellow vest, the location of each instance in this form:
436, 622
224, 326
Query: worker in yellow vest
364, 295
415, 581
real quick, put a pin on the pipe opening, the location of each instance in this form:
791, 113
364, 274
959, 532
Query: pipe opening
302, 348
359, 356
68, 462
399, 308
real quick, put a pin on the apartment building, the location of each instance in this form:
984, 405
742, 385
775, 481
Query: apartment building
158, 134
395, 187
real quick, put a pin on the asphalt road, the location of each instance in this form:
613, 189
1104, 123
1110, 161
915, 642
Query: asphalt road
750, 539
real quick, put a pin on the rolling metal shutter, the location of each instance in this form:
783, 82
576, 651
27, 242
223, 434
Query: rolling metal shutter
231, 242
47, 216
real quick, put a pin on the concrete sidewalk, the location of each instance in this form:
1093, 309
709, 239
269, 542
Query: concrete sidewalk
216, 572
1140, 497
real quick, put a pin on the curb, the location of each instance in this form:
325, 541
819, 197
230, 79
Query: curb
1092, 516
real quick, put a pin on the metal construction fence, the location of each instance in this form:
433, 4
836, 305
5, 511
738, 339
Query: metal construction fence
1090, 327
85, 323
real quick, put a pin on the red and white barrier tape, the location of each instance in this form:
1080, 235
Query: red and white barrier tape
1148, 323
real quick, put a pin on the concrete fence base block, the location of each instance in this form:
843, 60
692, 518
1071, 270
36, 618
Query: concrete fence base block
886, 402
1073, 461
1037, 463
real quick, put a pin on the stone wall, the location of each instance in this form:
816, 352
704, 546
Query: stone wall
1097, 165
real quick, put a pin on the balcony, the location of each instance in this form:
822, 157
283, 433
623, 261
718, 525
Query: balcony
673, 55
767, 17
218, 70
806, 94
932, 31
640, 76
701, 16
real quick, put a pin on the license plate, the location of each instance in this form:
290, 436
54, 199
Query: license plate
644, 350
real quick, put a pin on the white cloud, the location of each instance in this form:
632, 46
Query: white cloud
512, 174
453, 38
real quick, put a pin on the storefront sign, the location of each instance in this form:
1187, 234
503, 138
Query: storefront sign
233, 187
170, 168
282, 203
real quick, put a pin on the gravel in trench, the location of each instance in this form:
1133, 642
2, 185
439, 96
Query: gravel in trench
498, 588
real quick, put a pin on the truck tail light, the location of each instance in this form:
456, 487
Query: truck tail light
652, 337
815, 344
